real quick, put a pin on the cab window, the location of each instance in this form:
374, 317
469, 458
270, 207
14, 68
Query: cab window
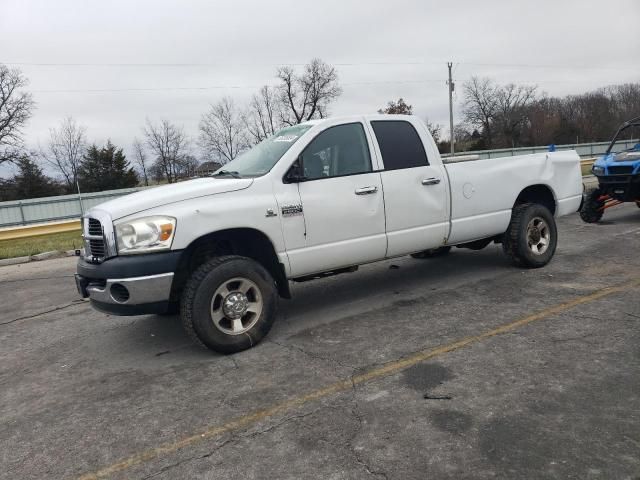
337, 151
400, 144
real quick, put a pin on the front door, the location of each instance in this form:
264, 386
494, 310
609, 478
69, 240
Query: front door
342, 203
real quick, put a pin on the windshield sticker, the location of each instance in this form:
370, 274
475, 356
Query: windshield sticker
285, 138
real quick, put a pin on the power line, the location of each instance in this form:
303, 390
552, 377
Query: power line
563, 66
246, 87
338, 64
218, 64
214, 87
159, 89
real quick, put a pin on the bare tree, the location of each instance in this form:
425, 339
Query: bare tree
397, 108
308, 95
15, 110
222, 131
67, 145
481, 105
435, 129
140, 159
625, 100
188, 165
169, 144
513, 104
262, 118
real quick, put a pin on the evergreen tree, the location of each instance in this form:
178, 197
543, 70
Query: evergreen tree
31, 182
105, 168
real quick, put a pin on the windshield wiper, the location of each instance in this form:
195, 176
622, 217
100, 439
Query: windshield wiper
228, 172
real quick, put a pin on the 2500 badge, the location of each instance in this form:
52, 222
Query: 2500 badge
290, 210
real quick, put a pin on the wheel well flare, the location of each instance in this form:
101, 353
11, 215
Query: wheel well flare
247, 242
540, 194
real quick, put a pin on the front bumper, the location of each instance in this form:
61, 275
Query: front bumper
128, 296
129, 285
625, 188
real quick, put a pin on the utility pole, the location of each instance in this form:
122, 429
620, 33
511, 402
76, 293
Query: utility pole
451, 89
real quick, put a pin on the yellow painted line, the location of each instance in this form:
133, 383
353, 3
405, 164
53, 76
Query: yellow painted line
346, 384
36, 230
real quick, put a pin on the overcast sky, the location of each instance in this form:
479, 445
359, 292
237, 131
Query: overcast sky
171, 59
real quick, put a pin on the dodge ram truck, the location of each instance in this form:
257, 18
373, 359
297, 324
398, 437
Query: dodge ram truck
315, 199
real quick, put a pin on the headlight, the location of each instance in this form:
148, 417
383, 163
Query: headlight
144, 235
597, 170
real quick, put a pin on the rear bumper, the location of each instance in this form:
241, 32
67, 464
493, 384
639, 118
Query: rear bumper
128, 285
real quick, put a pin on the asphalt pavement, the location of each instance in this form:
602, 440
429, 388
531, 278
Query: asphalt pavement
449, 368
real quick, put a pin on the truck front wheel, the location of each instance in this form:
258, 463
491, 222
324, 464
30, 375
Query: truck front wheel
229, 304
532, 236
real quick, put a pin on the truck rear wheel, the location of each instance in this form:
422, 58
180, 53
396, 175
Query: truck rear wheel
532, 236
592, 208
229, 304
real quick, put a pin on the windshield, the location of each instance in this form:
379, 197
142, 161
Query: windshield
626, 146
261, 158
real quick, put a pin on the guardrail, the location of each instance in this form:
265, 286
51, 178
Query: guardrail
583, 149
13, 233
51, 209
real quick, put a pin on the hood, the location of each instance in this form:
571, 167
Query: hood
167, 194
621, 157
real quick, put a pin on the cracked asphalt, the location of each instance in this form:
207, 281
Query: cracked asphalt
402, 370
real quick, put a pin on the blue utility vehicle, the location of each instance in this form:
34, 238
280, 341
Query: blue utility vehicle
618, 173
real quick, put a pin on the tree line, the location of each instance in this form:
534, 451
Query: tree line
493, 116
506, 116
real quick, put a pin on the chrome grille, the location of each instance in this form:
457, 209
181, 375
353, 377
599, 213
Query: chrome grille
95, 248
94, 227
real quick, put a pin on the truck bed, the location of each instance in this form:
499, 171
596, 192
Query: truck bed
479, 188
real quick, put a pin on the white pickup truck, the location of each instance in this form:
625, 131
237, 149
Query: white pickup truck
315, 199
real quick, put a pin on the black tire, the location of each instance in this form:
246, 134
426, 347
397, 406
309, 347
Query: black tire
591, 211
519, 243
431, 253
638, 203
198, 300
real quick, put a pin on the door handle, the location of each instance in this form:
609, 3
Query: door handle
431, 181
366, 190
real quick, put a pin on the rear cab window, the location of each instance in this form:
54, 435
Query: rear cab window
400, 144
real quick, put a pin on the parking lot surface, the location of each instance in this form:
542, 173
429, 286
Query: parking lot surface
455, 367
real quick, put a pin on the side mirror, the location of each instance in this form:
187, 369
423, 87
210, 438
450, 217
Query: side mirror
295, 173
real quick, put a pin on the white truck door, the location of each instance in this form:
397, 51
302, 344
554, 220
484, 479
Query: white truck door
415, 192
342, 202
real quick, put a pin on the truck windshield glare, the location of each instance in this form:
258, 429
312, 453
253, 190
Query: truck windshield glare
261, 158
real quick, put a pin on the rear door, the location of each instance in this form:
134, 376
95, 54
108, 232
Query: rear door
341, 202
415, 192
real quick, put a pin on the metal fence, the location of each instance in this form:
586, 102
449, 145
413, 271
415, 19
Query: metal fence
583, 149
51, 209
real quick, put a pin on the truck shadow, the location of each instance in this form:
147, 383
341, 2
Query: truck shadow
330, 299
378, 285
